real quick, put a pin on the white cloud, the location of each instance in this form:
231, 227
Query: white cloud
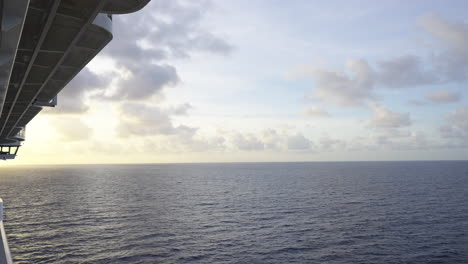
247, 142
404, 71
271, 139
181, 109
144, 82
452, 62
268, 140
143, 42
442, 96
72, 129
452, 33
345, 90
456, 124
330, 144
315, 112
298, 142
396, 133
417, 102
71, 99
385, 119
168, 32
145, 120
359, 87
359, 82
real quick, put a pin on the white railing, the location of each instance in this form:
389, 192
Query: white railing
5, 255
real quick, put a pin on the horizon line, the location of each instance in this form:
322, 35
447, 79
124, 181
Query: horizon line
223, 162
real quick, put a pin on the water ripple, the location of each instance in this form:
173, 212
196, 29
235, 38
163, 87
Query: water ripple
402, 212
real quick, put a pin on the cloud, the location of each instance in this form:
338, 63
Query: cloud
417, 102
360, 85
143, 120
385, 119
456, 124
402, 141
315, 112
180, 109
144, 82
157, 127
330, 144
404, 71
298, 142
140, 54
142, 45
342, 89
395, 133
72, 129
145, 41
174, 28
442, 96
267, 140
453, 34
413, 141
197, 144
71, 99
271, 139
452, 62
417, 140
359, 82
247, 142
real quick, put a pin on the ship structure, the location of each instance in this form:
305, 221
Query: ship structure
44, 44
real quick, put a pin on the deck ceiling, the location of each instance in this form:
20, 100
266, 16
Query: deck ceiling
59, 38
57, 41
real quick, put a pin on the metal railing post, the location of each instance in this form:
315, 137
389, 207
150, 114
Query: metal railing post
5, 255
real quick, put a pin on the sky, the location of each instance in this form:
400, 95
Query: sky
267, 81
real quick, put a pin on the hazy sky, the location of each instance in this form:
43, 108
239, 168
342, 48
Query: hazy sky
272, 80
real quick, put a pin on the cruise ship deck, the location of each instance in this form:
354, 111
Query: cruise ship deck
43, 45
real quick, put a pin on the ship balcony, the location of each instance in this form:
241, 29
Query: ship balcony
21, 135
8, 152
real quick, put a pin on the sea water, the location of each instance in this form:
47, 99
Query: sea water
349, 212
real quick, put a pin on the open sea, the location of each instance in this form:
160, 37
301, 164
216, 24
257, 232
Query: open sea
343, 212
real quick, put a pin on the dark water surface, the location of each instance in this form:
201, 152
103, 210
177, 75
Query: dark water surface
375, 212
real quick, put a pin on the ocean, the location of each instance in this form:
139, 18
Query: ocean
337, 212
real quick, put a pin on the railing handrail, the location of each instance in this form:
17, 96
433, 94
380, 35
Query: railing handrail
5, 255
1, 210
